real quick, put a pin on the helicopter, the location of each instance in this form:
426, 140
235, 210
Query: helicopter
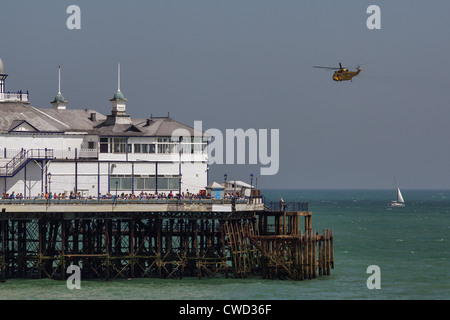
342, 74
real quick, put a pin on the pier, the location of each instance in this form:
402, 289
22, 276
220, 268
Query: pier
170, 238
179, 225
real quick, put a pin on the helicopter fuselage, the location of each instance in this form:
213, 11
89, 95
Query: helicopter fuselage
344, 74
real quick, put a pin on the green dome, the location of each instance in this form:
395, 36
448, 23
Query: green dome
59, 98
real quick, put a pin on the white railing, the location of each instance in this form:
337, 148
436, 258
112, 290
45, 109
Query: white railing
12, 97
75, 153
88, 153
57, 153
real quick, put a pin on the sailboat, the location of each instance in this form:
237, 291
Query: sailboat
400, 202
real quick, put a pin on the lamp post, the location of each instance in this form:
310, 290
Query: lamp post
251, 186
225, 176
179, 188
49, 185
179, 168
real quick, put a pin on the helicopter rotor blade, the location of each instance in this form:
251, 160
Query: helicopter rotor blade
329, 68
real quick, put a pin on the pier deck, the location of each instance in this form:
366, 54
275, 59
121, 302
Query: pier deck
30, 209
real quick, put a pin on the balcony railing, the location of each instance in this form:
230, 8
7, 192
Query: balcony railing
288, 206
68, 153
88, 153
14, 96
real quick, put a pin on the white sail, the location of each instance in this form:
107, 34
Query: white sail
399, 196
400, 201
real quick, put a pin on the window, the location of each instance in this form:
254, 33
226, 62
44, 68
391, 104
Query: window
115, 145
168, 183
143, 183
103, 145
163, 139
139, 183
173, 183
188, 145
119, 145
121, 182
167, 145
115, 183
150, 183
163, 148
147, 148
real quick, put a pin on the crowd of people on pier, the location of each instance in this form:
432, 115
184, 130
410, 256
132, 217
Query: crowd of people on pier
121, 196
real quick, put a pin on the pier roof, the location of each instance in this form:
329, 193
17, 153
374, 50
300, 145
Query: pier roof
11, 112
81, 120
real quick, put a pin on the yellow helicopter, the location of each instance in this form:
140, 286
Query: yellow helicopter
342, 74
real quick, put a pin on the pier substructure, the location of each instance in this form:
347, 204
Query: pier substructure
279, 249
124, 243
140, 245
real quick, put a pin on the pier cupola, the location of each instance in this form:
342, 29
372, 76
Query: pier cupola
3, 76
118, 101
59, 102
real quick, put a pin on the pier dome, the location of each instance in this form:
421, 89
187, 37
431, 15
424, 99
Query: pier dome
118, 95
59, 98
2, 67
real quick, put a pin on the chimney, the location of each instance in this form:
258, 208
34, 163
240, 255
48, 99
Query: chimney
93, 116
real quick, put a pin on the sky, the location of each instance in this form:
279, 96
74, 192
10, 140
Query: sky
249, 64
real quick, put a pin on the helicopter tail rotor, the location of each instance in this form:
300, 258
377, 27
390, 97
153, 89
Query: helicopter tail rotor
358, 67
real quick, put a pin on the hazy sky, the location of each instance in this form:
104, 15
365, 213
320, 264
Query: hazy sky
248, 64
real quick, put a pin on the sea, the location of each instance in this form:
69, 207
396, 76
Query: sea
408, 246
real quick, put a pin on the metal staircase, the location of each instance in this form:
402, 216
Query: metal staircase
22, 158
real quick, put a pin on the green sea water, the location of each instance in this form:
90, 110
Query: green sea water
410, 245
